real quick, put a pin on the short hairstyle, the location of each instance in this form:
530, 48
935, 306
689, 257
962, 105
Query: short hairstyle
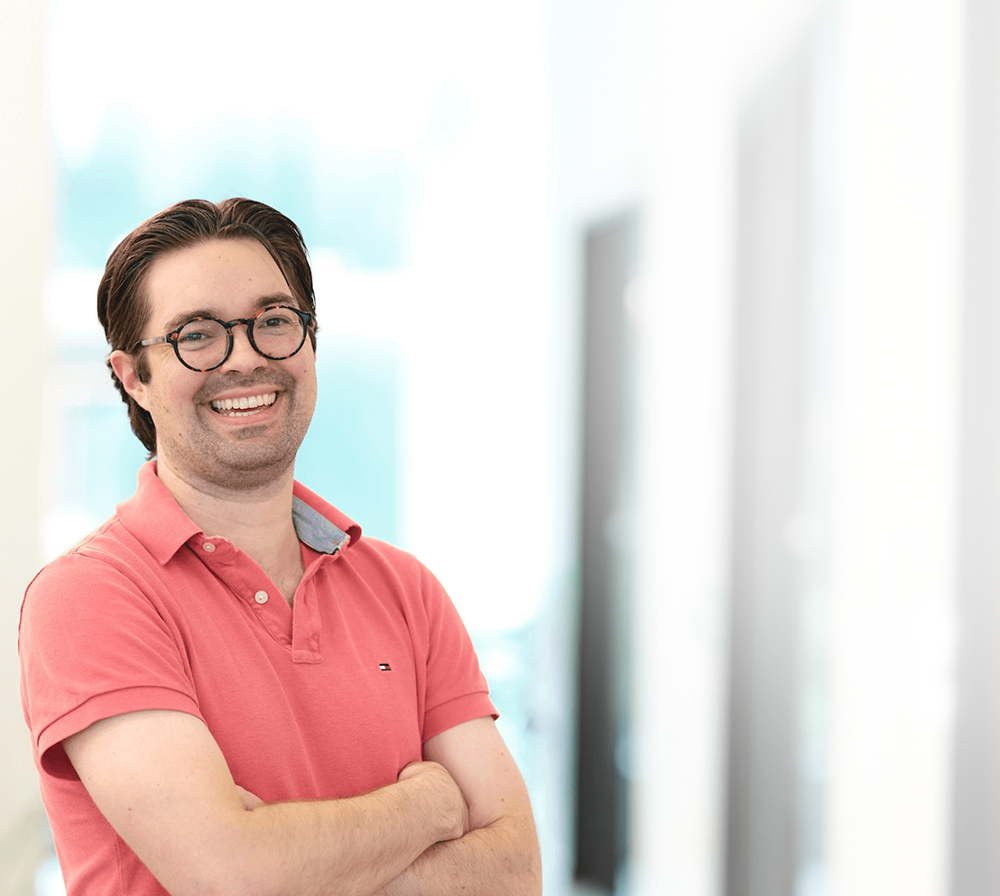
122, 305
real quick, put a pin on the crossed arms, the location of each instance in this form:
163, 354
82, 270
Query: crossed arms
459, 821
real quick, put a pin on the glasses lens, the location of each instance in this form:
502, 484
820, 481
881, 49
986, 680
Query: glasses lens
202, 344
278, 332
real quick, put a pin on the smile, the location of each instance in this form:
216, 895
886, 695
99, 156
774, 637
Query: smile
244, 407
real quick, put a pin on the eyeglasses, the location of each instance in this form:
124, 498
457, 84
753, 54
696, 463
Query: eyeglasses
204, 343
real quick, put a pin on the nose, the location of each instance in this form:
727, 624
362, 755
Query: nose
244, 357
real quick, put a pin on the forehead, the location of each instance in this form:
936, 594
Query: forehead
217, 278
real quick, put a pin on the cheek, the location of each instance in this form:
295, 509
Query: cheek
311, 389
305, 373
173, 395
309, 377
181, 394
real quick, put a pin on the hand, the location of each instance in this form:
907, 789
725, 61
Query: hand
249, 800
455, 811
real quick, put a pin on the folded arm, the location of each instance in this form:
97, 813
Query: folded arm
162, 782
499, 855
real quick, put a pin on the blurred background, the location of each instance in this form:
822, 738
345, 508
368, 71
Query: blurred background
663, 332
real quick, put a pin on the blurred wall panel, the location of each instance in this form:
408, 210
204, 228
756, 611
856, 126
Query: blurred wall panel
975, 863
769, 443
892, 488
606, 528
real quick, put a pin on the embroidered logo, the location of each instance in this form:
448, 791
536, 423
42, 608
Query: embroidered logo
384, 667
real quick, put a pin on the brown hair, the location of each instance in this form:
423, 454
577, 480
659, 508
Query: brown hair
122, 306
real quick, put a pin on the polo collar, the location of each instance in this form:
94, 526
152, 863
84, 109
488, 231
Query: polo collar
316, 530
153, 517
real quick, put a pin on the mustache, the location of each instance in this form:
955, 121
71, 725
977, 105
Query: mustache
226, 381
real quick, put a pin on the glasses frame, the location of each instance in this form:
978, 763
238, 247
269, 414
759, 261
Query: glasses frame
307, 318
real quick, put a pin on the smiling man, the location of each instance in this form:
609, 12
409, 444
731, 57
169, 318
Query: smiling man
229, 690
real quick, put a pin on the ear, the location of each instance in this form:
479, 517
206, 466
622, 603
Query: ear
123, 364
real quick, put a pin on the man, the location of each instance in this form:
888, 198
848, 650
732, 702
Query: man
229, 690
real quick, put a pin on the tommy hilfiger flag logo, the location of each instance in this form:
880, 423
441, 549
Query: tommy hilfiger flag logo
384, 667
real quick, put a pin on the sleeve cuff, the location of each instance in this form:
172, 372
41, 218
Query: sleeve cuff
454, 712
52, 757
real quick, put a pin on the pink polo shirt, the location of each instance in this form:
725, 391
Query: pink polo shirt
328, 699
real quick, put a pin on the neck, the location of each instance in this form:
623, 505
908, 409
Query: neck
258, 521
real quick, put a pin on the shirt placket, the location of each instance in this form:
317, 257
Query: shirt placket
307, 623
248, 583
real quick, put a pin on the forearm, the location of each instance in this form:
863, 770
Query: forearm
342, 847
499, 860
160, 780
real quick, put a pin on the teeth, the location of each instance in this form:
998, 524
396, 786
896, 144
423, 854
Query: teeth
233, 406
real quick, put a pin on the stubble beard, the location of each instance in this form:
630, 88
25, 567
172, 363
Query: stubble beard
254, 458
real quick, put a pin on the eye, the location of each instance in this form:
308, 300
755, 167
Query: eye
199, 333
275, 319
188, 337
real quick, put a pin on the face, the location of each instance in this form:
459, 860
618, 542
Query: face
202, 435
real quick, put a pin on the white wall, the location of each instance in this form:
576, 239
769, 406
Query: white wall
25, 196
642, 117
646, 103
893, 513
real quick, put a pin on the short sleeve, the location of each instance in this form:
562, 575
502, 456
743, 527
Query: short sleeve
92, 645
456, 689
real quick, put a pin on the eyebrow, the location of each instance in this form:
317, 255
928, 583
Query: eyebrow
262, 302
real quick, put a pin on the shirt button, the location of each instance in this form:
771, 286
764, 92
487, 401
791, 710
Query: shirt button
260, 597
208, 546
